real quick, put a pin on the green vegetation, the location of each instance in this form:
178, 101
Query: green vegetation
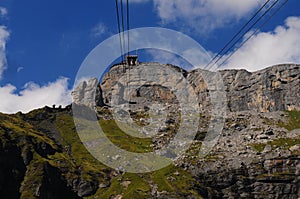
76, 155
284, 143
75, 162
23, 129
293, 121
123, 140
34, 176
287, 175
193, 152
170, 179
26, 138
57, 129
258, 146
140, 117
136, 187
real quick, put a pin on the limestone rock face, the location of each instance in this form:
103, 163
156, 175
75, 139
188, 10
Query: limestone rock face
88, 93
121, 78
254, 158
272, 89
256, 155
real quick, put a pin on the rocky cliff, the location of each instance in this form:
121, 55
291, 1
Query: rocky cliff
272, 89
275, 88
257, 154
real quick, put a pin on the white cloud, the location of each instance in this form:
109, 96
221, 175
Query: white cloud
34, 96
270, 48
3, 12
4, 35
99, 30
204, 15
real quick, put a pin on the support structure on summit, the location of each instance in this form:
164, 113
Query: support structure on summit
132, 60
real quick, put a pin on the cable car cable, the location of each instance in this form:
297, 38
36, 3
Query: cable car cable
255, 31
259, 19
241, 29
119, 29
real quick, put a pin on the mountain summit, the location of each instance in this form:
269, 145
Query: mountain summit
272, 89
257, 154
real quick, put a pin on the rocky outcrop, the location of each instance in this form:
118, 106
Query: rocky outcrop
256, 156
274, 178
88, 93
12, 170
37, 162
272, 89
53, 185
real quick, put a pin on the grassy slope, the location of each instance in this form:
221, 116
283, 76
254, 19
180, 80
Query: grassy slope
75, 161
284, 143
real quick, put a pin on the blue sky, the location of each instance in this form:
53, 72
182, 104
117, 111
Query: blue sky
44, 42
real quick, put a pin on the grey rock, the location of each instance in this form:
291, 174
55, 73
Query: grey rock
88, 93
234, 169
85, 189
272, 89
